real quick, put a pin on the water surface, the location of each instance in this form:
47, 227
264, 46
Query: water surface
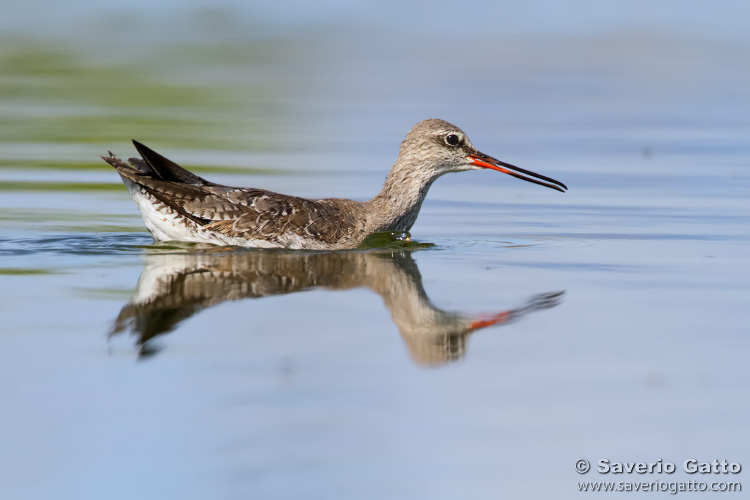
536, 329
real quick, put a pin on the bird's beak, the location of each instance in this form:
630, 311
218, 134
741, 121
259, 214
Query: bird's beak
484, 161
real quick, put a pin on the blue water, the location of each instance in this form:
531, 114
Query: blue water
133, 370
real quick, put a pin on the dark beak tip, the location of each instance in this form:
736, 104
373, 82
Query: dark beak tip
521, 173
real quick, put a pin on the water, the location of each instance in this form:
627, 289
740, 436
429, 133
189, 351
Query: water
525, 330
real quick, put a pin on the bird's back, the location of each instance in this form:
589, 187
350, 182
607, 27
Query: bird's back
179, 205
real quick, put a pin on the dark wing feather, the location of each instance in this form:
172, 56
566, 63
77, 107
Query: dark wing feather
166, 169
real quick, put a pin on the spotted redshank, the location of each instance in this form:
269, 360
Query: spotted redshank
178, 205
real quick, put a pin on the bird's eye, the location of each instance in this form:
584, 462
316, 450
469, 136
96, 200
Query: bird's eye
452, 140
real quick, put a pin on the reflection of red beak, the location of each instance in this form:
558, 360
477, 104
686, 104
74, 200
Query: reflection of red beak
484, 161
489, 320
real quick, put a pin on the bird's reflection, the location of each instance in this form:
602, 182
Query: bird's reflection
174, 286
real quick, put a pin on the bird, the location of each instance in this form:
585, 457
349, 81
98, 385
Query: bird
178, 205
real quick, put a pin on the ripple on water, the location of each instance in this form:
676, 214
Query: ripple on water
514, 242
135, 243
82, 244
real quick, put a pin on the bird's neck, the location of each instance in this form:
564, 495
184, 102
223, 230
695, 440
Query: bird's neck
397, 205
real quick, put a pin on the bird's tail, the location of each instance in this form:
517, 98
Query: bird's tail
154, 165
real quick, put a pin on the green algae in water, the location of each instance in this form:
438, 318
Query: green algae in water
25, 272
393, 239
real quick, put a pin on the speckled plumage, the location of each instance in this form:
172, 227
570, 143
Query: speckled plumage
179, 205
